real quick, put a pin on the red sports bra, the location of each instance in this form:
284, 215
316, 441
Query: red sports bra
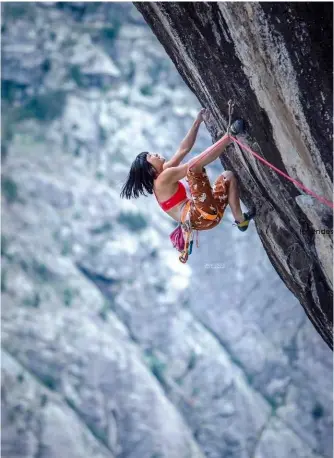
176, 198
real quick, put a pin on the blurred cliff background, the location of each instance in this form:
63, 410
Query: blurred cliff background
110, 346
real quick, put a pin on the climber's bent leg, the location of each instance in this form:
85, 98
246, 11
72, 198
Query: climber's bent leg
203, 202
210, 154
220, 191
242, 220
234, 195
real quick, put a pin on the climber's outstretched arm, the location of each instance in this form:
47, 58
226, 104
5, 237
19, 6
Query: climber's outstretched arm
186, 144
176, 159
196, 164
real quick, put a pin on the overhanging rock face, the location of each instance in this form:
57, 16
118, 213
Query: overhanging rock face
274, 60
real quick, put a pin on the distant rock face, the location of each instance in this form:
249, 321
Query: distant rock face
275, 62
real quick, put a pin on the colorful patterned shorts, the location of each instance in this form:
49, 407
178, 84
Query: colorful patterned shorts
210, 200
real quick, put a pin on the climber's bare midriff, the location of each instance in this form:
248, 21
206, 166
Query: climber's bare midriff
175, 212
165, 192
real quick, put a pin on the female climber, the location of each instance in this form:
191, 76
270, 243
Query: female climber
206, 206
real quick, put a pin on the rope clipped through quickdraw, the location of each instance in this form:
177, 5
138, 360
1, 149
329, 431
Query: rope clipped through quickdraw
230, 111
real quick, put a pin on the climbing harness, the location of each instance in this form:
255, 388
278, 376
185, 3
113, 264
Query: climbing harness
188, 230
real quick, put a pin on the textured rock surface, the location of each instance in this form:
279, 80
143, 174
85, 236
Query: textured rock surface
111, 347
275, 62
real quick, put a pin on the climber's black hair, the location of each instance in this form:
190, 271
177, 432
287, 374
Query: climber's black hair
140, 178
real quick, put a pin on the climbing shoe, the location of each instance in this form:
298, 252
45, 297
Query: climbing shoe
237, 127
243, 226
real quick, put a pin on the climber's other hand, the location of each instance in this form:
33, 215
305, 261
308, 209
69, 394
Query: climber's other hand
201, 115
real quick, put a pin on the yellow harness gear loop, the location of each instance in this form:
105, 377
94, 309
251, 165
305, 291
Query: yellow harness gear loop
208, 215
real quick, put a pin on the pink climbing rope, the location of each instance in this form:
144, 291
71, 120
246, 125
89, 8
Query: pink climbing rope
300, 185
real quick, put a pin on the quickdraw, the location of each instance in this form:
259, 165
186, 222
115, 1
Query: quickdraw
187, 231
